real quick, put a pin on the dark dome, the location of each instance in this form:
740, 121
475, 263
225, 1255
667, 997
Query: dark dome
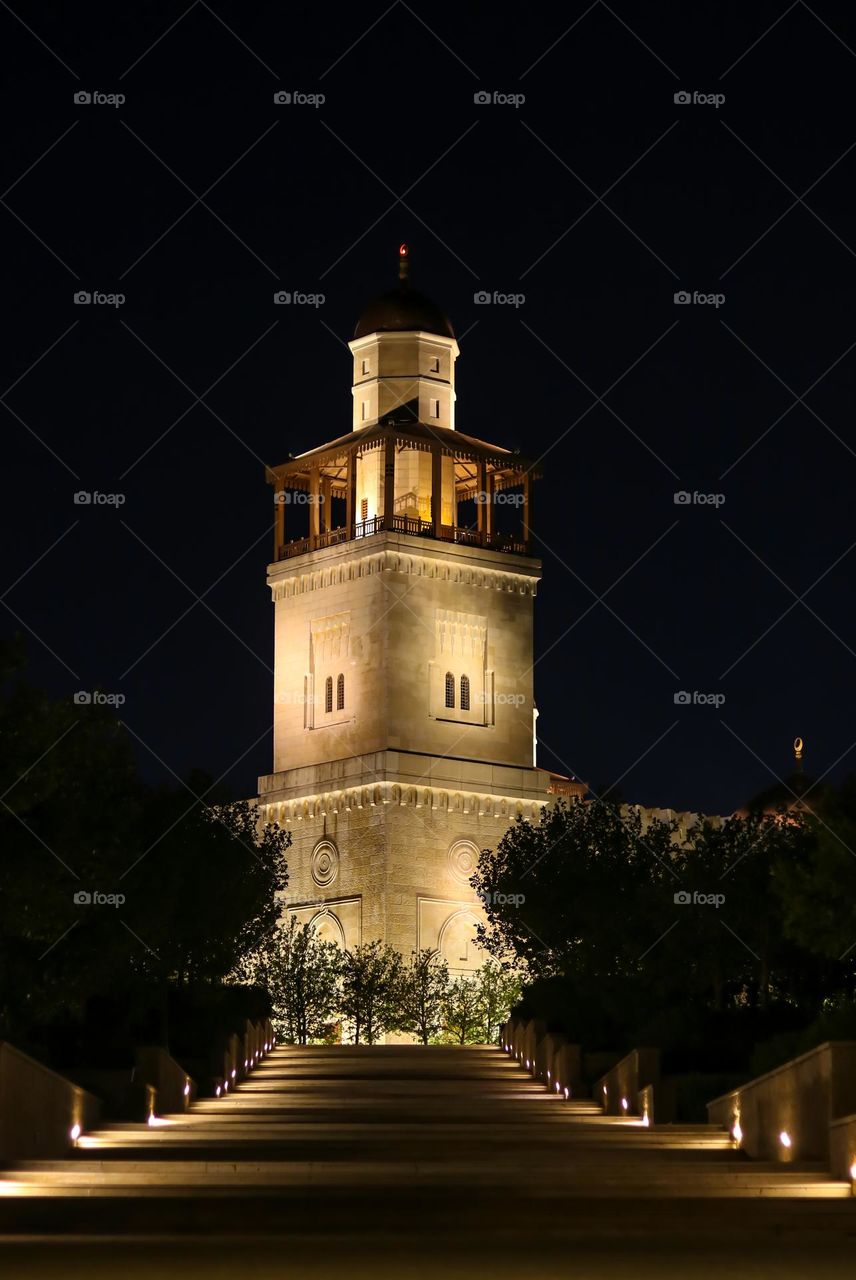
403, 308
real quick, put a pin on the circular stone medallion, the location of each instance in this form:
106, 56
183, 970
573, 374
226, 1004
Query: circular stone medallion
463, 858
324, 863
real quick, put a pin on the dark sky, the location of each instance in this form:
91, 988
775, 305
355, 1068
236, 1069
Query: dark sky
597, 198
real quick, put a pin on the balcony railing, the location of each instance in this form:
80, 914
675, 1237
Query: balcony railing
412, 525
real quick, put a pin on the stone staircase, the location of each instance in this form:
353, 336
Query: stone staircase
402, 1148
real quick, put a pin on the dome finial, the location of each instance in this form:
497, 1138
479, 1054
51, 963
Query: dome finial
799, 747
403, 264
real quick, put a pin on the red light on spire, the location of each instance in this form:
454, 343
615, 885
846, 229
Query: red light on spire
402, 251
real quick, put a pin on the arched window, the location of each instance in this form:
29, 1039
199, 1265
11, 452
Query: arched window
465, 693
450, 689
328, 694
340, 692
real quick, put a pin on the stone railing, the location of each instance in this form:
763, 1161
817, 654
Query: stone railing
41, 1113
803, 1110
547, 1055
842, 1147
174, 1090
240, 1054
620, 1088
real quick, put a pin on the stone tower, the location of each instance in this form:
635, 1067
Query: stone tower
403, 690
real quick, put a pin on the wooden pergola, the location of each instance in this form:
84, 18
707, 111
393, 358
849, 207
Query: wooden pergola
330, 471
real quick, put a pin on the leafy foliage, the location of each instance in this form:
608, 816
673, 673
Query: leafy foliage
423, 992
372, 988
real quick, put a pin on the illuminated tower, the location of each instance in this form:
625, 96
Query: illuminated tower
403, 691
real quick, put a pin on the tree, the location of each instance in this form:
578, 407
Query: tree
498, 991
68, 828
817, 884
371, 990
206, 891
301, 973
585, 891
424, 988
462, 1012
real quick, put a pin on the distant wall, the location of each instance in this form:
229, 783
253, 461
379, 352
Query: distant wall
38, 1108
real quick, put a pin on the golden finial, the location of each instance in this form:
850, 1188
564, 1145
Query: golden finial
799, 746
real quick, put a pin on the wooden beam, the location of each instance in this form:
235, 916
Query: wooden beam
528, 496
481, 495
351, 495
314, 504
436, 489
389, 481
326, 512
279, 521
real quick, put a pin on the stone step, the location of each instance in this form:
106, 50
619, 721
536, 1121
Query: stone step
393, 1176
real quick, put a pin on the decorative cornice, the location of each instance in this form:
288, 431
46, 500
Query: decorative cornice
390, 561
435, 799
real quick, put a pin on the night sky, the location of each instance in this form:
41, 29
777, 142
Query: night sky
598, 198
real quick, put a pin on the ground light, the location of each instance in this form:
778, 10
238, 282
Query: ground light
737, 1132
74, 1132
785, 1138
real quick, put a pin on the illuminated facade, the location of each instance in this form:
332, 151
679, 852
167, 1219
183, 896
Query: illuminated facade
403, 691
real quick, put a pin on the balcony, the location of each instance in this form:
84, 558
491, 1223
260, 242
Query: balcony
412, 525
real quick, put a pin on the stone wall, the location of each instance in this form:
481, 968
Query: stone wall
39, 1108
786, 1114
